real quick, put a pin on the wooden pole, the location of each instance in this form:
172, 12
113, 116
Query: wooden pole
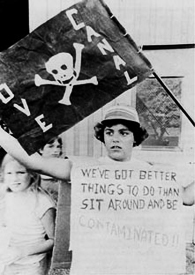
173, 97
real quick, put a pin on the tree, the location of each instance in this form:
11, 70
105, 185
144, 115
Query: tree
158, 112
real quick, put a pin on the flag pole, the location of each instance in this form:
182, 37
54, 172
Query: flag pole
173, 97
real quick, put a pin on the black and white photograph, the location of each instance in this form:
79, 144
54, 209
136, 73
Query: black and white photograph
97, 140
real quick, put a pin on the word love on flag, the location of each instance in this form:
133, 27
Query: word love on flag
65, 70
61, 67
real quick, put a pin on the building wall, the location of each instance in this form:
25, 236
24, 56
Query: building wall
149, 22
177, 62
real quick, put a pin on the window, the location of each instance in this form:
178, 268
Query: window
158, 113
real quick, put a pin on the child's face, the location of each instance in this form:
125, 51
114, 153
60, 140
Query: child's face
52, 150
118, 142
16, 177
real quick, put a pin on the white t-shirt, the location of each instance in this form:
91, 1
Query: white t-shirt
23, 219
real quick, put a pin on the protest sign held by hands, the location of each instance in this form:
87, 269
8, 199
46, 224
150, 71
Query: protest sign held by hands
128, 218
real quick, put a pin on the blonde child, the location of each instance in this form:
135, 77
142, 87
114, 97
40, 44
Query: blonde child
29, 215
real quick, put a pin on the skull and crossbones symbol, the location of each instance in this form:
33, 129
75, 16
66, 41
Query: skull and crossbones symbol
61, 67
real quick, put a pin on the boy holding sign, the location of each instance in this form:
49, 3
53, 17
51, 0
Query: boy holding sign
120, 131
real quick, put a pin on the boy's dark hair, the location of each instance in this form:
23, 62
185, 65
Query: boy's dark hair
51, 141
140, 134
59, 139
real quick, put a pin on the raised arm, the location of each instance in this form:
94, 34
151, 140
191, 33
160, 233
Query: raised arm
54, 167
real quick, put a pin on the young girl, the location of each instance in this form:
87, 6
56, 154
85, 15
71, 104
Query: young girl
29, 219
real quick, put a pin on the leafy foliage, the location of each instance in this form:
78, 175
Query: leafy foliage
158, 112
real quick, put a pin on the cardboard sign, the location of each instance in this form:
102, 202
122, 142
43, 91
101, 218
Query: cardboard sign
126, 219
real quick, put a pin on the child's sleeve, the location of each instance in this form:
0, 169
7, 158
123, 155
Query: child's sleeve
44, 204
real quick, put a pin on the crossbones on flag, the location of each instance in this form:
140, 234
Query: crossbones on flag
65, 70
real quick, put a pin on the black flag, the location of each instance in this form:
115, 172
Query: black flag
65, 70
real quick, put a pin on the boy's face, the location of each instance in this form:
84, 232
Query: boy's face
52, 150
16, 177
118, 142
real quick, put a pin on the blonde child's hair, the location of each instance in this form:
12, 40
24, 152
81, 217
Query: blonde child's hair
35, 178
